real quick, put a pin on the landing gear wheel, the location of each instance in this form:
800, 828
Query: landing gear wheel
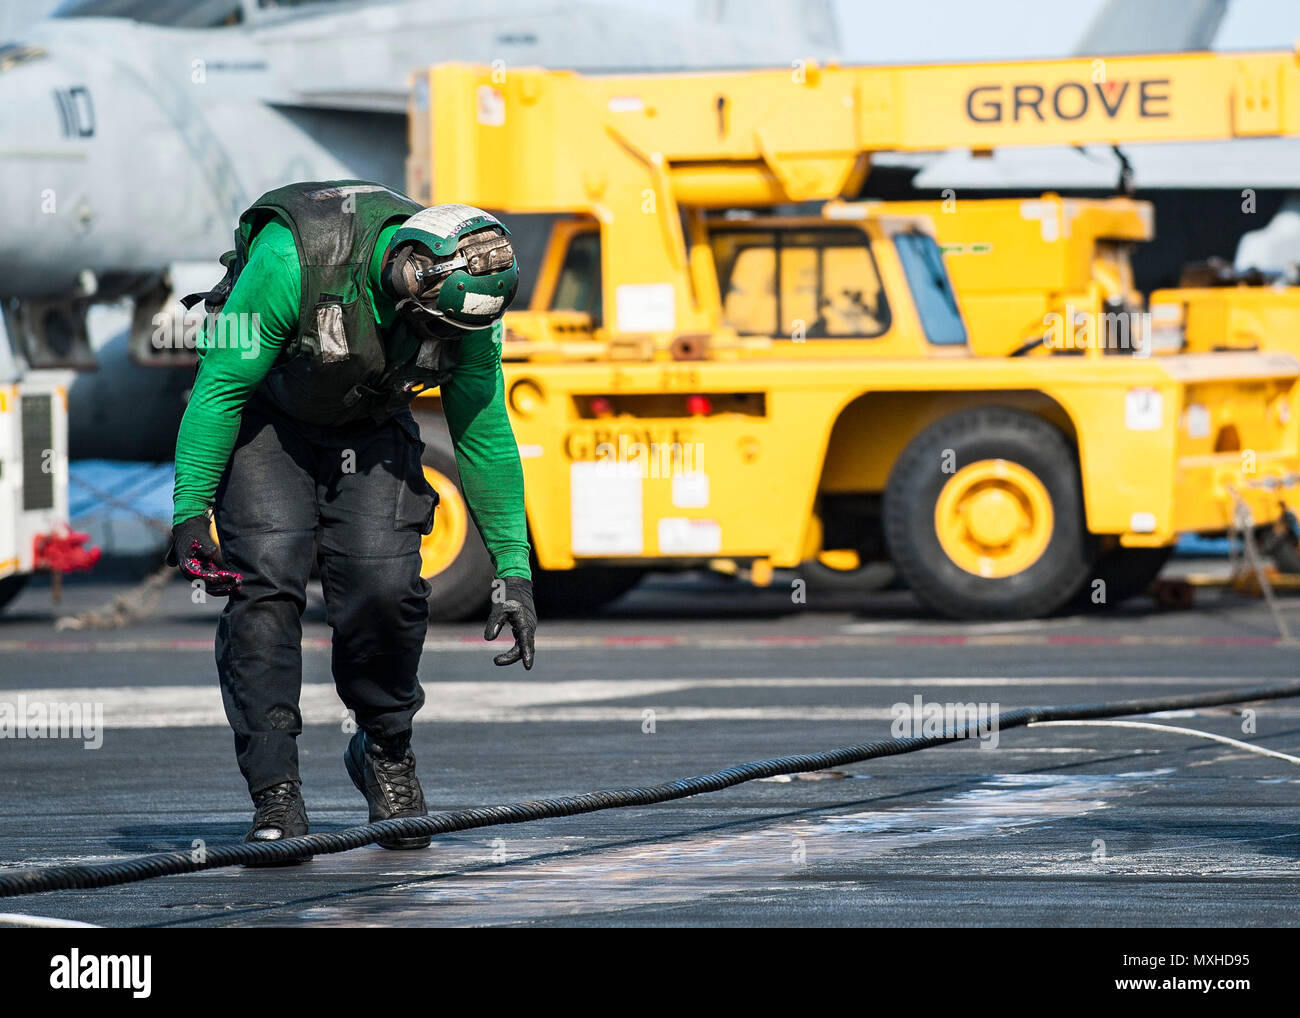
984, 517
455, 562
1123, 572
11, 587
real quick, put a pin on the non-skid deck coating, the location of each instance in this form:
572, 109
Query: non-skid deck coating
1055, 826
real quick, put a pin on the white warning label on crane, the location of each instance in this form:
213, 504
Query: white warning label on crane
605, 508
1144, 409
646, 307
691, 490
679, 535
490, 107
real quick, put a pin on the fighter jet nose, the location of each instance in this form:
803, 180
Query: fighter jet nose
44, 137
110, 169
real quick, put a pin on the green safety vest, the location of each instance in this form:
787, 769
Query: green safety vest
337, 370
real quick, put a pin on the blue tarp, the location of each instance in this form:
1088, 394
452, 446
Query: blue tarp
125, 507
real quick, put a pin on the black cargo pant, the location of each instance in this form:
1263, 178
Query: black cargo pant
360, 492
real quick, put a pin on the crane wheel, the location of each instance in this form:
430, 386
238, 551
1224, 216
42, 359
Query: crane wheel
984, 517
454, 560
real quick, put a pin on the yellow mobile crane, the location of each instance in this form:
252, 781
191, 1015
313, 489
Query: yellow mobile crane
694, 382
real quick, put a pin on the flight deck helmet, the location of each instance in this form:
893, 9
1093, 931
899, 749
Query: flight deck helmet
452, 266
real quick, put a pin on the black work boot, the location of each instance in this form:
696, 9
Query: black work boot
280, 813
385, 774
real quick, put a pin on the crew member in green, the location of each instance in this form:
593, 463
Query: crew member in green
341, 301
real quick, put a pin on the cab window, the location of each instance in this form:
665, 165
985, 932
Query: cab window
817, 283
927, 276
578, 286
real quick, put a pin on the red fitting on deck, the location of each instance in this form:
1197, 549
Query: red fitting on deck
62, 551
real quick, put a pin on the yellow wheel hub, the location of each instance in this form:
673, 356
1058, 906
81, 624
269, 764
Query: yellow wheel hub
439, 547
994, 518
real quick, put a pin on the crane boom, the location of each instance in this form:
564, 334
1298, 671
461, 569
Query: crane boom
533, 140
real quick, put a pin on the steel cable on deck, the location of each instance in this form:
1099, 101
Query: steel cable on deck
90, 875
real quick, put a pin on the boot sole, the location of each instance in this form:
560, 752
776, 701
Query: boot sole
276, 863
393, 844
407, 844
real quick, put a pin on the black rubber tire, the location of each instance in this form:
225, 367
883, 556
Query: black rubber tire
11, 587
463, 589
581, 591
913, 490
866, 579
1279, 542
1126, 573
1286, 555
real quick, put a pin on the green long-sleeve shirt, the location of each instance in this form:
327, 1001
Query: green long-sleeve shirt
473, 400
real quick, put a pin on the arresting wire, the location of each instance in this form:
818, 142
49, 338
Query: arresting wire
105, 874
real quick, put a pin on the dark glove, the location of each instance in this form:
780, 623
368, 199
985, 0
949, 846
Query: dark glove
517, 609
199, 557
